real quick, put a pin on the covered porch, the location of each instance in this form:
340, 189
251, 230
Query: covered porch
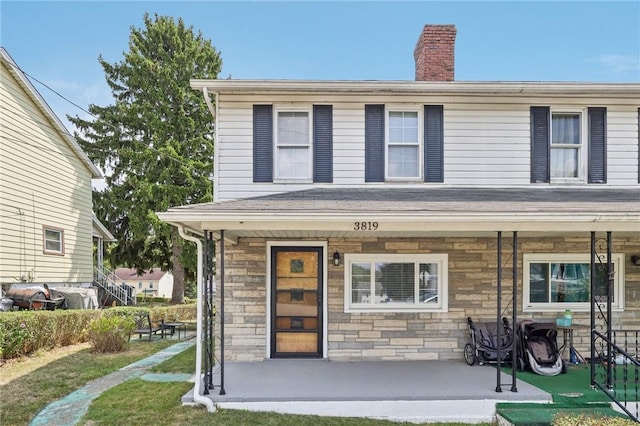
465, 223
417, 391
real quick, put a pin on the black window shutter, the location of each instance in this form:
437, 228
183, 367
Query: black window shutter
540, 155
638, 145
262, 143
433, 143
323, 143
597, 145
374, 143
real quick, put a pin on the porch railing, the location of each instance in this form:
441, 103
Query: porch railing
616, 371
106, 280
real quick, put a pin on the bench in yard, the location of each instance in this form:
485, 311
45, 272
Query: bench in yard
145, 326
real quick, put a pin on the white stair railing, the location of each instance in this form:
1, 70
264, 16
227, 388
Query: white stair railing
107, 280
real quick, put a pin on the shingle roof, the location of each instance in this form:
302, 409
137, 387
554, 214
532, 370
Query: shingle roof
130, 274
426, 200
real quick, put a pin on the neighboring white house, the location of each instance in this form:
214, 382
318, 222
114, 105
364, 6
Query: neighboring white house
47, 224
361, 220
152, 283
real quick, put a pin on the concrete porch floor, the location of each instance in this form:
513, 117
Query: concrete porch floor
417, 391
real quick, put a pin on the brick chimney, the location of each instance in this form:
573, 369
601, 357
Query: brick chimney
434, 53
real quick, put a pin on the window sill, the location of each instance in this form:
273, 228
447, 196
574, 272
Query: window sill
293, 181
392, 310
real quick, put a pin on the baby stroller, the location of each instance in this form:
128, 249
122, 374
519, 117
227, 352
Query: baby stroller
538, 348
484, 342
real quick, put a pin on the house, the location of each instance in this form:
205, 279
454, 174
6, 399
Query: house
152, 283
366, 220
48, 227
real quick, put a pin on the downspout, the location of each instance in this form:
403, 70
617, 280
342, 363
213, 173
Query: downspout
197, 397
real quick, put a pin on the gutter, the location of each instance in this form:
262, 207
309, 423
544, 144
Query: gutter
197, 397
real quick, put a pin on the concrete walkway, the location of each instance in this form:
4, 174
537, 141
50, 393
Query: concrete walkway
69, 410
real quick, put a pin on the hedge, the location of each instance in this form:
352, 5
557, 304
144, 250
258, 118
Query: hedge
25, 332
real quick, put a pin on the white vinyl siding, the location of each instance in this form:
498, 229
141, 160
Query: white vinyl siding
42, 183
622, 146
486, 140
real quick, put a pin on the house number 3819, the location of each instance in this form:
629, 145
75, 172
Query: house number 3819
365, 226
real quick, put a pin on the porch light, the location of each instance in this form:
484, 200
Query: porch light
336, 259
634, 259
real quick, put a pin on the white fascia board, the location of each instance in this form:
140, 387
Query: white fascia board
390, 222
624, 90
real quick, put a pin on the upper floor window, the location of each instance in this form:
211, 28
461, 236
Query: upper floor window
293, 145
298, 146
555, 282
403, 145
53, 240
395, 282
566, 146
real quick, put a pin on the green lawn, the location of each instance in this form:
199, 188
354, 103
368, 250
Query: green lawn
135, 402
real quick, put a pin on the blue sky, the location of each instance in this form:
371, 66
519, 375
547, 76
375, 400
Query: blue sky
59, 42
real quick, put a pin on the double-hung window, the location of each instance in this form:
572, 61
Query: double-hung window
395, 282
566, 146
293, 145
53, 241
403, 145
555, 282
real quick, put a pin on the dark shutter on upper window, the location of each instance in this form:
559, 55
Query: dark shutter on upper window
374, 143
540, 120
323, 143
597, 145
433, 143
638, 145
262, 143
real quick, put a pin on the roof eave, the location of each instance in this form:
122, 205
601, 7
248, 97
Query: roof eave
631, 90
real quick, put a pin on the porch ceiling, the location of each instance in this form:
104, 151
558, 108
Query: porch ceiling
414, 212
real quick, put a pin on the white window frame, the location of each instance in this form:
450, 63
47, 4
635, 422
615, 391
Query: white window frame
618, 291
276, 146
60, 232
419, 143
581, 147
442, 260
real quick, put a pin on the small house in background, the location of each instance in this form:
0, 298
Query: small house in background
152, 283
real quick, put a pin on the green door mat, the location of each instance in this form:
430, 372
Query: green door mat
542, 414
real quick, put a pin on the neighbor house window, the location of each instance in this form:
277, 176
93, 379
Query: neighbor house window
293, 145
403, 145
53, 241
140, 284
394, 282
566, 145
555, 282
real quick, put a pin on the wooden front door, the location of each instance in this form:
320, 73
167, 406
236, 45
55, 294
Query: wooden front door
296, 302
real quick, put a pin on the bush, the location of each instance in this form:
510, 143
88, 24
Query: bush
24, 332
110, 332
565, 419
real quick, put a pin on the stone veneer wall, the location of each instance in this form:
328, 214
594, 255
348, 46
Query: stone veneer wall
407, 336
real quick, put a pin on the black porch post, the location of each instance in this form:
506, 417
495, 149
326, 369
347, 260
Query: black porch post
222, 391
514, 321
593, 309
610, 357
499, 308
208, 309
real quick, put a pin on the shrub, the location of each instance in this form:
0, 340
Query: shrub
110, 332
24, 332
566, 419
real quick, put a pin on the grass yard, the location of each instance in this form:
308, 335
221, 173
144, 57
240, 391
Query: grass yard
29, 384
